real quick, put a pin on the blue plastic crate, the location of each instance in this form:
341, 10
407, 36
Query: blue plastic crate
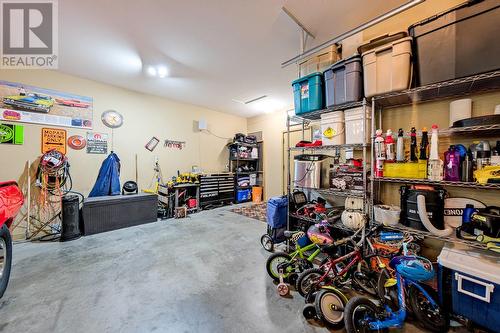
308, 93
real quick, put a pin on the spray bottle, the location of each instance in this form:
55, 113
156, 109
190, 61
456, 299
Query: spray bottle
424, 144
435, 167
400, 147
379, 154
389, 146
413, 145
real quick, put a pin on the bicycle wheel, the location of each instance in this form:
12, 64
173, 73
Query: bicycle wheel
267, 242
432, 318
366, 279
330, 306
308, 280
274, 261
358, 313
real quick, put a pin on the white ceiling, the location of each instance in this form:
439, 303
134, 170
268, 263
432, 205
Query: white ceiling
216, 50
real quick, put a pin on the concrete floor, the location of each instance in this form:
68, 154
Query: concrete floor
201, 274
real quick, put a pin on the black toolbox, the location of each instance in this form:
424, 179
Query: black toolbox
108, 213
460, 42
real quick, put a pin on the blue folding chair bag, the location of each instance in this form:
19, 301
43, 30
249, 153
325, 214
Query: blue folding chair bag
276, 212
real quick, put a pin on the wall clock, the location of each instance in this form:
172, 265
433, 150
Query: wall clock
112, 119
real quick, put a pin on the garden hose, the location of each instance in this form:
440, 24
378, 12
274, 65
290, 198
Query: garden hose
422, 213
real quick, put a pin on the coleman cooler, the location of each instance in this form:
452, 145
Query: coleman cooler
473, 276
344, 82
462, 41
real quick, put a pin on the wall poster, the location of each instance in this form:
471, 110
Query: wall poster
29, 104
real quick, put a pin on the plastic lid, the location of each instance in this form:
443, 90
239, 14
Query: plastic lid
299, 80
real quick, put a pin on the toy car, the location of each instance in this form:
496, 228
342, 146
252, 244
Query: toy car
30, 102
72, 102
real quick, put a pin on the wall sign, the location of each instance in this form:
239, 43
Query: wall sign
174, 144
151, 145
12, 134
53, 138
77, 142
97, 143
30, 104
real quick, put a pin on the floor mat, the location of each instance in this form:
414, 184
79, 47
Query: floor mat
255, 211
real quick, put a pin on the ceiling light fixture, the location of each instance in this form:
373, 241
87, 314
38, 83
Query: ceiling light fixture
151, 71
162, 71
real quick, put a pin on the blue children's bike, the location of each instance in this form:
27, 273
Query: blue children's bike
364, 315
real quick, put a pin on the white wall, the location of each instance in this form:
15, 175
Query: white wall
145, 116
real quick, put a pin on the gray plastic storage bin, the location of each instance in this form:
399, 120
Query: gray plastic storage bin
344, 81
460, 42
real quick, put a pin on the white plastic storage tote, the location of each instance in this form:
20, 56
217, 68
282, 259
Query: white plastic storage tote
332, 128
475, 281
355, 129
387, 67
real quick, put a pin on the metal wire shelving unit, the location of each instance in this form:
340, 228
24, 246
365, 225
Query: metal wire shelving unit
434, 92
305, 120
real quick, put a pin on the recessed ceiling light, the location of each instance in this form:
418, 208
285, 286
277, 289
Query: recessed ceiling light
162, 71
151, 71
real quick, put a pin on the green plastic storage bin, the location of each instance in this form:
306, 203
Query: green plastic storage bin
308, 93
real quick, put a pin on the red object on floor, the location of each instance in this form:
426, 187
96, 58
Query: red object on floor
191, 203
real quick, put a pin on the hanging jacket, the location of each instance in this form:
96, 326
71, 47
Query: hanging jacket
108, 180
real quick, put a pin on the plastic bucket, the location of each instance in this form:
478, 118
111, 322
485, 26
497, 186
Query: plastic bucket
332, 128
354, 127
256, 194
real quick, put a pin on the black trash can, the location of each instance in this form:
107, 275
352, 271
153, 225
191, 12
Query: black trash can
70, 226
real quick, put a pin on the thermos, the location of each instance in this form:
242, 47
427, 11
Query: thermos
467, 168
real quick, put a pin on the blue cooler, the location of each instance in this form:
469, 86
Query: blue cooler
475, 285
308, 93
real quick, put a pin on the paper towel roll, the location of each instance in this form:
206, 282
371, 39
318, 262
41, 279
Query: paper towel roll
497, 109
460, 109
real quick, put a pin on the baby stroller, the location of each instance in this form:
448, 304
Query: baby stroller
277, 209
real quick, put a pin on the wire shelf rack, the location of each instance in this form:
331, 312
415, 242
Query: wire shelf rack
442, 183
426, 234
334, 224
333, 192
316, 115
459, 87
330, 147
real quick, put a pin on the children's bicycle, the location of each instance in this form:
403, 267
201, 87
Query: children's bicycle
340, 270
363, 315
289, 265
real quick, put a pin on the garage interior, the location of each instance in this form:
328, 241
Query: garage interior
250, 166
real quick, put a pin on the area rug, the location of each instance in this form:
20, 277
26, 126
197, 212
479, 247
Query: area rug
255, 211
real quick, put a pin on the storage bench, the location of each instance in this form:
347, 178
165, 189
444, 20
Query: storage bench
108, 213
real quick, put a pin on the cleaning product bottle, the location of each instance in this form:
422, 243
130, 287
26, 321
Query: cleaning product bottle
435, 166
413, 145
400, 146
389, 147
379, 145
424, 144
452, 164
